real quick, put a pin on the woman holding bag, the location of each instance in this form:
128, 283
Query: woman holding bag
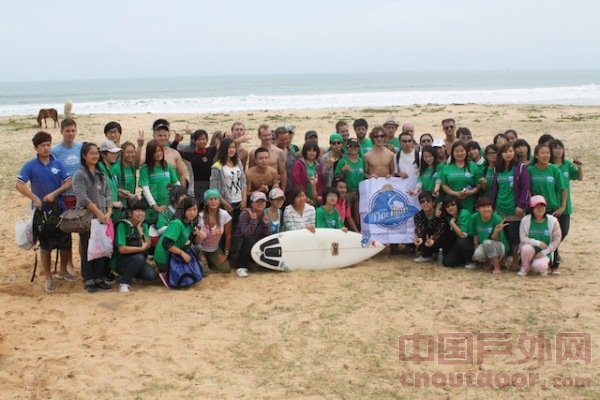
92, 192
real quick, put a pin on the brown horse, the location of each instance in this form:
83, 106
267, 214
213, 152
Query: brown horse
47, 113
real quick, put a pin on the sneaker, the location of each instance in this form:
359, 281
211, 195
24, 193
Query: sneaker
163, 278
241, 272
521, 273
66, 276
110, 280
421, 259
124, 288
91, 288
50, 286
102, 285
555, 271
471, 265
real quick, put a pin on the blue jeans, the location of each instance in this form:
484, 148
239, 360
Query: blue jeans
135, 266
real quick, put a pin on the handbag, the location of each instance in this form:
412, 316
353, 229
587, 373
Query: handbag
181, 274
75, 220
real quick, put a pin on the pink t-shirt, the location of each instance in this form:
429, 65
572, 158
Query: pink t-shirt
343, 208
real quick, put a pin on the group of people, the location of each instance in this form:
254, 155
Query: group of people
498, 205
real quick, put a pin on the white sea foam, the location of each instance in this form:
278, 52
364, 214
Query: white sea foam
567, 95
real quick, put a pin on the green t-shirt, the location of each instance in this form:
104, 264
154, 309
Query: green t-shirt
365, 145
111, 180
395, 143
179, 233
505, 196
324, 219
547, 182
459, 178
463, 221
311, 171
354, 175
540, 231
569, 172
428, 178
165, 217
158, 182
126, 177
125, 230
484, 229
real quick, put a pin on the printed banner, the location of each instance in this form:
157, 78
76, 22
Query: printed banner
387, 210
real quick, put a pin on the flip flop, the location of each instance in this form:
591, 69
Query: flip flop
496, 272
50, 286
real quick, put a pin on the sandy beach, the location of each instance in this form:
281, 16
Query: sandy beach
309, 335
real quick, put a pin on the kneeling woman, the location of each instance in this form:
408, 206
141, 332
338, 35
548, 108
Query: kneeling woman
177, 236
132, 242
431, 231
214, 223
540, 236
253, 226
459, 248
487, 230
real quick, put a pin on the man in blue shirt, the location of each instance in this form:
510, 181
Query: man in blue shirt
49, 180
68, 152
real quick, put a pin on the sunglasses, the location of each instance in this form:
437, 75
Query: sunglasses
449, 127
425, 201
378, 136
336, 142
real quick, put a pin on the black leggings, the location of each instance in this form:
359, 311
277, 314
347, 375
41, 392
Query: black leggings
459, 253
565, 223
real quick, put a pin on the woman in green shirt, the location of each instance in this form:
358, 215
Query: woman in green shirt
327, 216
460, 245
179, 234
125, 171
460, 176
487, 230
570, 170
155, 176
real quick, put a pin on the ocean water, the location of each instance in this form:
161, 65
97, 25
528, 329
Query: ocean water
302, 91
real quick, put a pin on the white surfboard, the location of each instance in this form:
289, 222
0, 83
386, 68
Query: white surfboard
303, 250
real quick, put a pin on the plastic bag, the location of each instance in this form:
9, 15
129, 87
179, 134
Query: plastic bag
101, 240
24, 233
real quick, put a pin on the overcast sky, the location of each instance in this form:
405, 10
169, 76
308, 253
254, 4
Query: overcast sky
74, 39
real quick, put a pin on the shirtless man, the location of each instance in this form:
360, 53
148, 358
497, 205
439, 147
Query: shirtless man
276, 155
449, 126
379, 161
161, 131
262, 177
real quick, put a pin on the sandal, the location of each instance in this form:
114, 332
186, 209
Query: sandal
50, 286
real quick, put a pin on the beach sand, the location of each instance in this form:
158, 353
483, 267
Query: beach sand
311, 335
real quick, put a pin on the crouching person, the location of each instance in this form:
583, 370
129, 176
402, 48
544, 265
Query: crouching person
253, 225
431, 231
540, 236
132, 242
487, 229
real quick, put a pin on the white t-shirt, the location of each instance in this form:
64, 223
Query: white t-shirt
213, 235
233, 182
406, 164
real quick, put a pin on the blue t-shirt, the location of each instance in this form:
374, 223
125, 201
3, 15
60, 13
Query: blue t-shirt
69, 157
44, 178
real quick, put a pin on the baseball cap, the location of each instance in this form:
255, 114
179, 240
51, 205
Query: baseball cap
289, 127
310, 134
353, 143
255, 196
438, 143
276, 193
537, 200
391, 122
108, 145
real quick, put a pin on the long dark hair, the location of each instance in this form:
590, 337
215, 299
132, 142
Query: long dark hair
486, 164
85, 148
447, 200
223, 149
554, 144
537, 149
183, 206
432, 151
122, 165
150, 150
500, 164
523, 142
